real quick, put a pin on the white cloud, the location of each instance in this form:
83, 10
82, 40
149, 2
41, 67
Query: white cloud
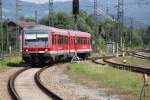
43, 1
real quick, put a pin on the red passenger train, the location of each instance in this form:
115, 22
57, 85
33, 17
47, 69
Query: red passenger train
44, 44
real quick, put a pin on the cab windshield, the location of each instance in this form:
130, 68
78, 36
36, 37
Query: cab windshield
36, 39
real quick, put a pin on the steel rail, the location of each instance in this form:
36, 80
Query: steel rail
138, 69
141, 56
11, 86
132, 68
15, 95
43, 87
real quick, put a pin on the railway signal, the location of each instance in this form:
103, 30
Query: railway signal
75, 11
75, 7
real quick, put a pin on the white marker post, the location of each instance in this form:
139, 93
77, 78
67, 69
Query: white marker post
117, 53
123, 53
10, 50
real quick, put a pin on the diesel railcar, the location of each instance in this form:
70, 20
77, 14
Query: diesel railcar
44, 44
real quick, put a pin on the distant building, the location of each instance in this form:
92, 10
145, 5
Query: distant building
14, 30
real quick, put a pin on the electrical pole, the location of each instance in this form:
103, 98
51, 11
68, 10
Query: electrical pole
95, 15
107, 10
95, 26
132, 27
51, 22
36, 19
120, 12
18, 8
17, 27
1, 27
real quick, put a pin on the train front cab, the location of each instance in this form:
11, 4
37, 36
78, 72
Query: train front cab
36, 46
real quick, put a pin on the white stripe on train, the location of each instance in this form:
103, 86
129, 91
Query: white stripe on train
62, 51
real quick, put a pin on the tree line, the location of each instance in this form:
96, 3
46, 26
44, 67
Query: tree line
107, 30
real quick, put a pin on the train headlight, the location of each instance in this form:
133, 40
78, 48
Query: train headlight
46, 50
27, 50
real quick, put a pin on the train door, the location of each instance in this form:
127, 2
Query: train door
56, 44
69, 43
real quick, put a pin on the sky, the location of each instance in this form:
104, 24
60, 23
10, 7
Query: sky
43, 1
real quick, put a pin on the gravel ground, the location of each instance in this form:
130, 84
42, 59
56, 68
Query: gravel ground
60, 83
4, 77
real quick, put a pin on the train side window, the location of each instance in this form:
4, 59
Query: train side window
84, 40
59, 39
65, 39
52, 39
62, 39
79, 40
73, 40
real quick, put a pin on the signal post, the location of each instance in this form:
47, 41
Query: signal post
75, 11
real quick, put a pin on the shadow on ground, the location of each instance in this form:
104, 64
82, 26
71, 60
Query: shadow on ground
21, 64
35, 65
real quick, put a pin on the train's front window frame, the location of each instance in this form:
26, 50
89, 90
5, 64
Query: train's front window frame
36, 38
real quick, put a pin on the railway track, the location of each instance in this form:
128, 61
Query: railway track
27, 85
138, 69
139, 55
43, 87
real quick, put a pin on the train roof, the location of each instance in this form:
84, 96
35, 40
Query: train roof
37, 27
79, 33
57, 30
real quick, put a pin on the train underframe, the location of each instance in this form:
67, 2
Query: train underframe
40, 58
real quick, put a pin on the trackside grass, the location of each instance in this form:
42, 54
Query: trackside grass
125, 81
10, 60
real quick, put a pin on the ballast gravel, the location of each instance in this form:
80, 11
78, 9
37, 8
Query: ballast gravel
58, 82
